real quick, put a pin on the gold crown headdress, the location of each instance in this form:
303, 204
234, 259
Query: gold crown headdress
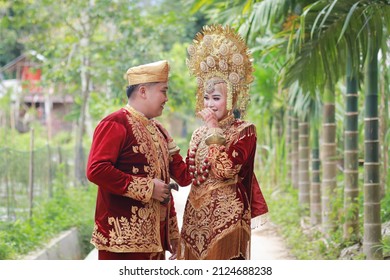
218, 51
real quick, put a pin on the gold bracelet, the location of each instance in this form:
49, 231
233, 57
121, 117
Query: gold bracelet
171, 145
215, 139
173, 149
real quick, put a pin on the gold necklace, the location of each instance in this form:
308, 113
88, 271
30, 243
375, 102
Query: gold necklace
226, 121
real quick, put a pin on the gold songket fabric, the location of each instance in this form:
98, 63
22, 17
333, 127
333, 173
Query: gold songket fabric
217, 217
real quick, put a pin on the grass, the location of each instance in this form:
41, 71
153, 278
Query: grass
70, 207
307, 242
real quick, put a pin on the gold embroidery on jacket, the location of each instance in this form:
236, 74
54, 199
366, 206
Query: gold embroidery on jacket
151, 143
173, 228
100, 239
163, 212
140, 230
142, 135
222, 165
140, 189
140, 234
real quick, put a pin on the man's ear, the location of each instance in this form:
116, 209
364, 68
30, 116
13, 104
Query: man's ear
142, 91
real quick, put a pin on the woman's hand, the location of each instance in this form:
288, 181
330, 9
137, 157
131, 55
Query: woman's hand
174, 244
164, 131
209, 117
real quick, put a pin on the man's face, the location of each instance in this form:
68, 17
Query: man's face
156, 97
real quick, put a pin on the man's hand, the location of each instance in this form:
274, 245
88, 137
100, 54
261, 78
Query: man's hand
174, 243
160, 190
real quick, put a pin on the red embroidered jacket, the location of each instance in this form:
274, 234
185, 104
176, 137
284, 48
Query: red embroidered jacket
127, 152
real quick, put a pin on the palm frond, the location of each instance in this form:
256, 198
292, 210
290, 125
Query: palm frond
334, 26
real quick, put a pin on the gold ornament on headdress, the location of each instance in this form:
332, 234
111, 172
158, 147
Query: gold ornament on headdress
218, 51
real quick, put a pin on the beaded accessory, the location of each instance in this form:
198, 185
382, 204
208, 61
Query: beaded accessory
218, 51
198, 175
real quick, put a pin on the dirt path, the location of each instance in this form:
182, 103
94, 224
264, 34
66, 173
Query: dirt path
268, 245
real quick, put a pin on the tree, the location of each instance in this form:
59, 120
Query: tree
329, 160
315, 189
372, 206
10, 48
351, 153
88, 47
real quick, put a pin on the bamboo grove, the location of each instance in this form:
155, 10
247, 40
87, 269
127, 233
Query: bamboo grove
356, 46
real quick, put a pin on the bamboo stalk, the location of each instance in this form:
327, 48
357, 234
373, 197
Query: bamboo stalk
329, 161
372, 222
303, 165
315, 190
351, 155
294, 152
289, 145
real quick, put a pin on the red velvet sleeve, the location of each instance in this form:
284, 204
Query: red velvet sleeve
258, 203
178, 170
108, 141
227, 164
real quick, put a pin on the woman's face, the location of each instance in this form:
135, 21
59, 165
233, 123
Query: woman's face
216, 100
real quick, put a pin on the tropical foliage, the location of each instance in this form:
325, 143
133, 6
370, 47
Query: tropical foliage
320, 98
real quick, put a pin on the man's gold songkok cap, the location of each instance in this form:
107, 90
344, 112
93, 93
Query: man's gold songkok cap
148, 73
218, 51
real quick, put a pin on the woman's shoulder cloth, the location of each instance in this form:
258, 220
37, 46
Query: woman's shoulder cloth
245, 129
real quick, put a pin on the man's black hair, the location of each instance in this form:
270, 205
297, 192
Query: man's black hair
130, 89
